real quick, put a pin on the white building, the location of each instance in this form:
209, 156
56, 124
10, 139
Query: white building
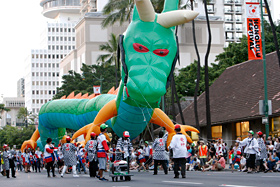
233, 12
10, 117
58, 39
20, 88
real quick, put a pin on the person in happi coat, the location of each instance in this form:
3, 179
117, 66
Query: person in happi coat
159, 155
49, 157
69, 154
91, 149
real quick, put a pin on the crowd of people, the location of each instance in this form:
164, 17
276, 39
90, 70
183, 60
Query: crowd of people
248, 155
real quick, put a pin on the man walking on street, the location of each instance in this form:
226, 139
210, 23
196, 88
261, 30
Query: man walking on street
159, 155
203, 150
91, 149
251, 150
103, 149
179, 147
70, 159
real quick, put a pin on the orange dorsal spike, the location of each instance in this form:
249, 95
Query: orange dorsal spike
111, 91
71, 96
63, 97
78, 96
91, 96
85, 96
116, 91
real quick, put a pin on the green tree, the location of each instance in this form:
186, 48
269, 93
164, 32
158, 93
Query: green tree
84, 82
110, 58
117, 11
234, 54
121, 11
15, 136
22, 114
3, 108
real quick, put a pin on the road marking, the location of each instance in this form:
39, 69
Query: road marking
235, 185
271, 176
182, 182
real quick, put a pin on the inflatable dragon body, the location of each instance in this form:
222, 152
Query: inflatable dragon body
148, 54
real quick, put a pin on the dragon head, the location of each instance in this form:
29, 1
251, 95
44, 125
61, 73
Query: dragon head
150, 48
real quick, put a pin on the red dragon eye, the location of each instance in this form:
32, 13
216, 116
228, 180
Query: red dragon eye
140, 48
161, 52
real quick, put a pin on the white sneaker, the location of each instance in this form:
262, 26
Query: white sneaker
61, 176
76, 175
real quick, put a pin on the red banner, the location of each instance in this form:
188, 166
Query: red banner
254, 31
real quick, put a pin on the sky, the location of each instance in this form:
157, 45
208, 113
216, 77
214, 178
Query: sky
21, 26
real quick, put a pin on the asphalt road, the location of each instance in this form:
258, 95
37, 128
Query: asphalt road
147, 179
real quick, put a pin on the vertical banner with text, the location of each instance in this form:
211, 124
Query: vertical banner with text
254, 31
96, 89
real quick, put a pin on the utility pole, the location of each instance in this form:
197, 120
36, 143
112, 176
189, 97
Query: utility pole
264, 75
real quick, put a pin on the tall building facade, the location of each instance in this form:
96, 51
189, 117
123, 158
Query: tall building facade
58, 39
233, 12
20, 88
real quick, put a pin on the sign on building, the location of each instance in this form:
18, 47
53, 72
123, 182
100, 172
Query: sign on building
254, 31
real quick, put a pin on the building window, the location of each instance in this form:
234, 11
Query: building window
61, 29
37, 92
53, 92
33, 101
65, 38
275, 127
52, 29
242, 129
73, 39
50, 92
217, 132
33, 92
33, 74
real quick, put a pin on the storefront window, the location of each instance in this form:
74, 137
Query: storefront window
242, 129
275, 127
217, 132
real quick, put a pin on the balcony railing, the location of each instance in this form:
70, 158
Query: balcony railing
228, 10
59, 3
228, 19
228, 1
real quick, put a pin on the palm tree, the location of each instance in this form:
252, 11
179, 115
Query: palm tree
22, 114
111, 57
121, 10
117, 10
3, 108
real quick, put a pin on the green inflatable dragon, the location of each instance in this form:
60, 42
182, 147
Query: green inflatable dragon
148, 54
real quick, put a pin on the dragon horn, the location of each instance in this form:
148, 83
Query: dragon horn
145, 10
178, 17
